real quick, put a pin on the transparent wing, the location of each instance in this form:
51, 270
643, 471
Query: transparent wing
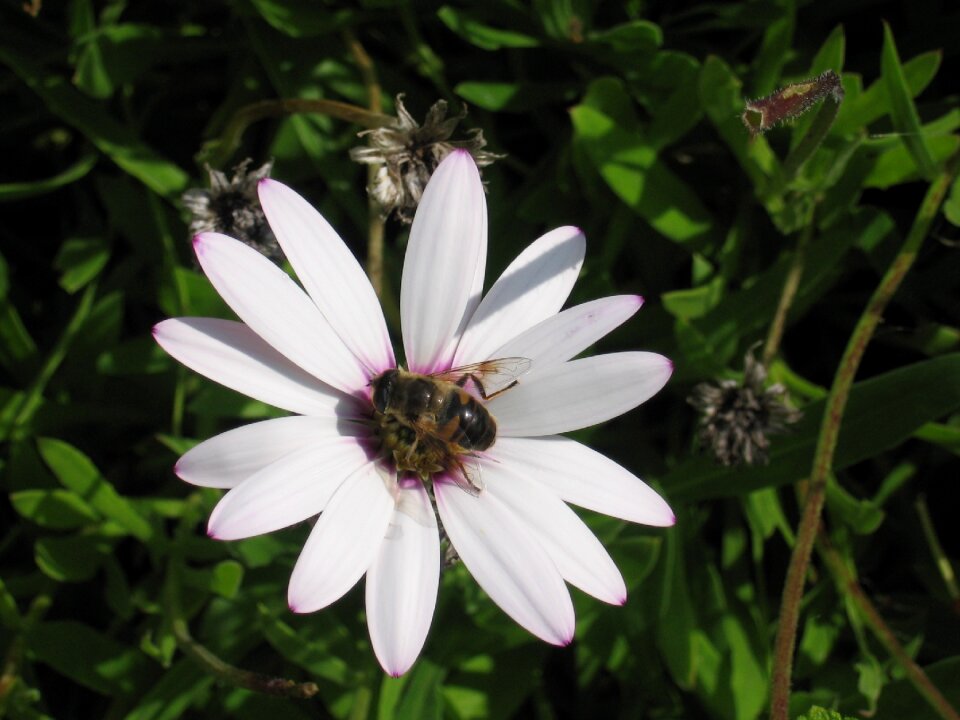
490, 377
467, 475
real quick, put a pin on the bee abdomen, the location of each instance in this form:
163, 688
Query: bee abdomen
466, 422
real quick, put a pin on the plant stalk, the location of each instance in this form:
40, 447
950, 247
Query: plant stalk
829, 433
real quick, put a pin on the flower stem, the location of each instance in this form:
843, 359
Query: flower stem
218, 151
848, 585
375, 222
790, 286
829, 432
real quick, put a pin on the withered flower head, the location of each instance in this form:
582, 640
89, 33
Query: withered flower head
408, 153
791, 102
737, 418
231, 206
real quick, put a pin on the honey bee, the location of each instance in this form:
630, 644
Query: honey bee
429, 423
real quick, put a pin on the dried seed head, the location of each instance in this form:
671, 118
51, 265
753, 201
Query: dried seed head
231, 206
791, 102
736, 419
408, 153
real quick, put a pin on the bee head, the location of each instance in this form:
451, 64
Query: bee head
383, 386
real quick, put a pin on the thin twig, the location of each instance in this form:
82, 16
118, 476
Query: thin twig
943, 562
847, 583
258, 682
790, 286
218, 151
829, 432
375, 222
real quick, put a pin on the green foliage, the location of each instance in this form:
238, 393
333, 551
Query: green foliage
621, 118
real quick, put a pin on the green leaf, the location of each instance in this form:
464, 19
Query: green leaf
9, 613
33, 188
920, 393
171, 697
631, 38
482, 35
606, 126
863, 516
694, 302
515, 97
902, 111
55, 509
421, 697
721, 94
819, 713
89, 117
301, 18
68, 559
226, 578
140, 356
315, 657
88, 657
859, 110
951, 206
900, 701
775, 49
77, 473
710, 340
80, 260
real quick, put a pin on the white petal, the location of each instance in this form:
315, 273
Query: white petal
580, 393
531, 289
277, 310
344, 543
330, 273
293, 488
584, 477
507, 561
563, 336
230, 353
575, 551
444, 265
227, 459
402, 582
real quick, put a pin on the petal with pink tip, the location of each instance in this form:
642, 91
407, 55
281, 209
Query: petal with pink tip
584, 477
227, 459
230, 353
330, 273
402, 582
295, 487
344, 542
566, 335
444, 265
579, 393
533, 288
576, 552
277, 310
507, 561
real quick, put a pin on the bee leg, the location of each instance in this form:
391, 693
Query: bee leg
479, 386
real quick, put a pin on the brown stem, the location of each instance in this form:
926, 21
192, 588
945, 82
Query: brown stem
827, 441
375, 232
218, 151
790, 286
848, 585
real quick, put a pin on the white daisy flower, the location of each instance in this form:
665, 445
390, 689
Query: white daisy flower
316, 354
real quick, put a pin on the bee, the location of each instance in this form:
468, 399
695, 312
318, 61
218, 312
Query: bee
429, 423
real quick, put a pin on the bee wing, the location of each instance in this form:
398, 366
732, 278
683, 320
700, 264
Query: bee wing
490, 377
469, 478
